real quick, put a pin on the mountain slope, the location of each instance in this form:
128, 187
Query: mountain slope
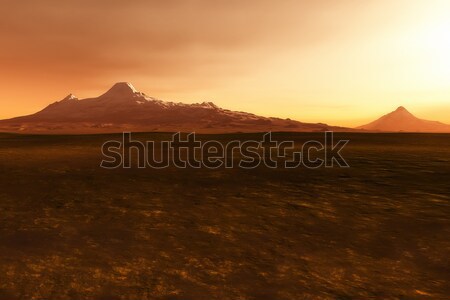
123, 108
402, 120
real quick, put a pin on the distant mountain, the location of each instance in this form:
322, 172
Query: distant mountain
402, 120
123, 108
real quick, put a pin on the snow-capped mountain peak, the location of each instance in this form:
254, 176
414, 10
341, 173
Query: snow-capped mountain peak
70, 97
121, 89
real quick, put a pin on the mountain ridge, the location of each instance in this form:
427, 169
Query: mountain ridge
124, 108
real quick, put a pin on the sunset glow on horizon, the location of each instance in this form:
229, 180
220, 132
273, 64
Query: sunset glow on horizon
342, 63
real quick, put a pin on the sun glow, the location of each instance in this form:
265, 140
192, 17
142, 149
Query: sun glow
436, 44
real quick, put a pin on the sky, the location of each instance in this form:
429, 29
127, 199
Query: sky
341, 62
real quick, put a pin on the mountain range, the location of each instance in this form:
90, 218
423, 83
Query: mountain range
123, 108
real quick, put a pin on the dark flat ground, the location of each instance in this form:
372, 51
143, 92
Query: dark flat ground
377, 230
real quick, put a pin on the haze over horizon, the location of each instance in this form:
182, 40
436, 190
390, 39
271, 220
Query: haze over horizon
340, 63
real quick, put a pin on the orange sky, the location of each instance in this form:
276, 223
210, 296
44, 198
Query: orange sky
340, 62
